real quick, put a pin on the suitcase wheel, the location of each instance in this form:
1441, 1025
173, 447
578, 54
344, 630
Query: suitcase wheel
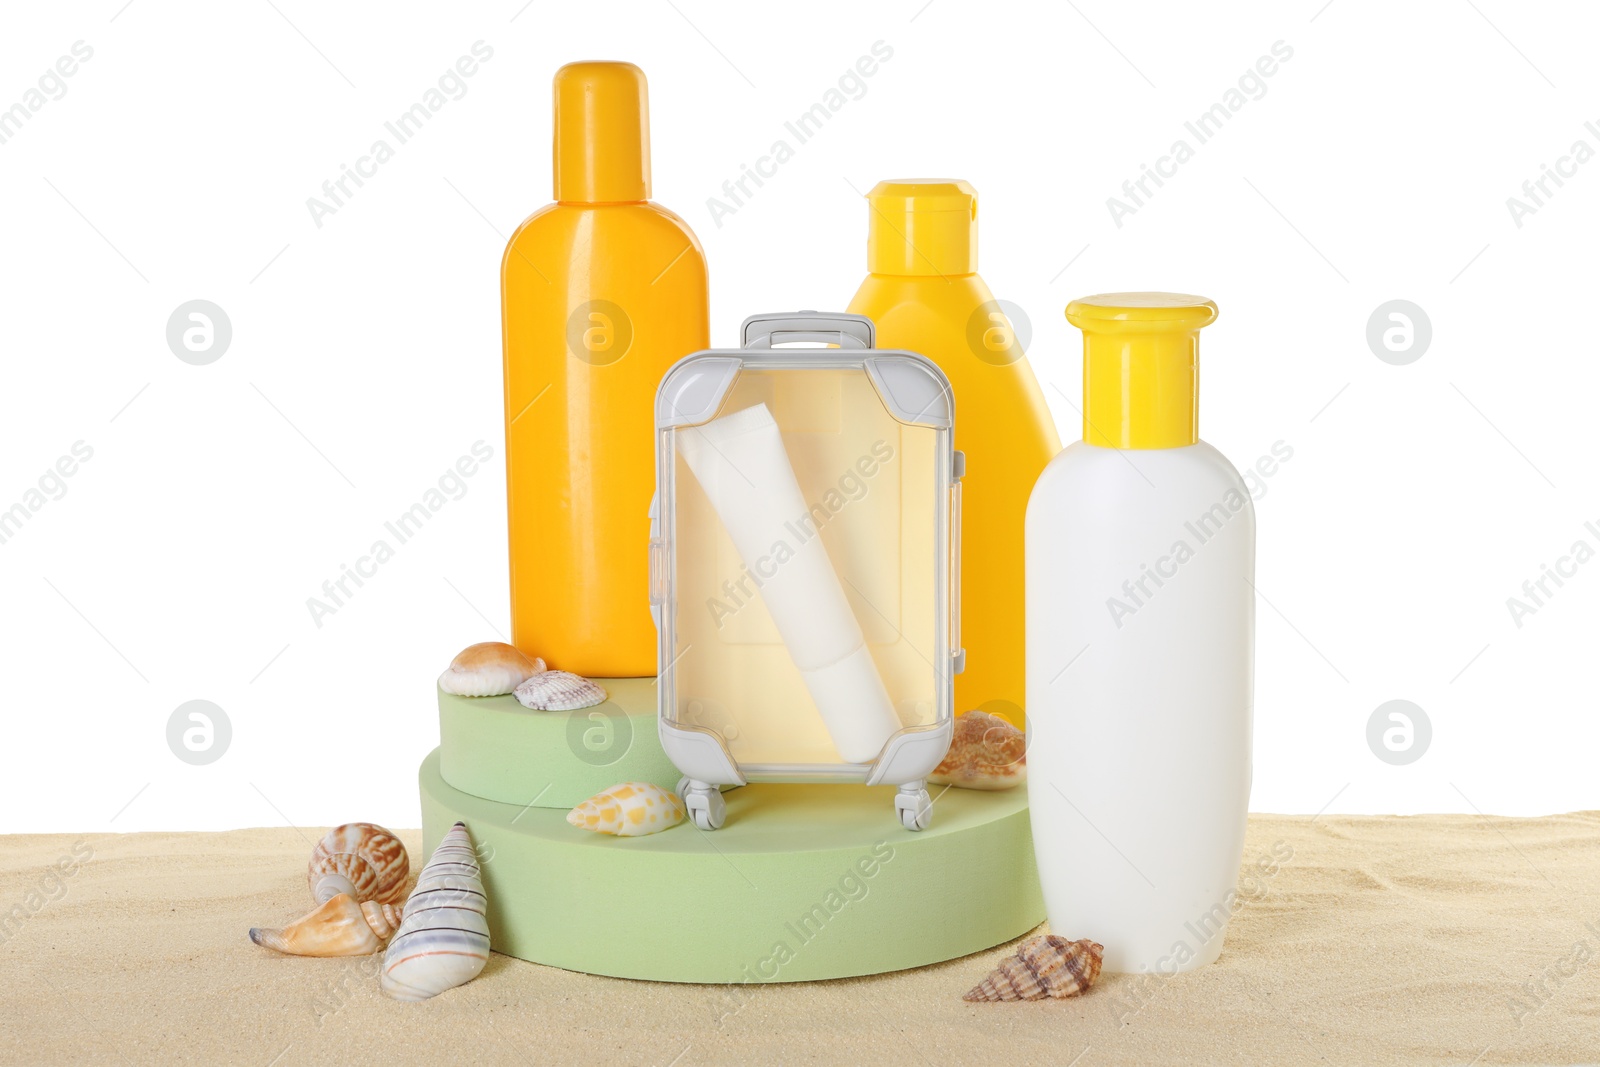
914, 806
704, 803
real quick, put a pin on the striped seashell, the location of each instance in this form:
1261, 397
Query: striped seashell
362, 860
558, 691
986, 752
1047, 966
338, 927
488, 669
632, 809
443, 940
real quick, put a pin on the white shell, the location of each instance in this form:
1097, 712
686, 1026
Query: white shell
488, 669
558, 691
443, 940
632, 809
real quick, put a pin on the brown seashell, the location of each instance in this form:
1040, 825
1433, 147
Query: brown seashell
986, 752
1047, 966
338, 927
559, 691
488, 669
361, 859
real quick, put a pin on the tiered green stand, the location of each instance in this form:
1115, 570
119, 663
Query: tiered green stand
804, 882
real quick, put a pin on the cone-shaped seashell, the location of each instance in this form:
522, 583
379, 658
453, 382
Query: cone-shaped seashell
558, 691
488, 669
443, 940
986, 752
631, 809
338, 927
361, 859
1048, 966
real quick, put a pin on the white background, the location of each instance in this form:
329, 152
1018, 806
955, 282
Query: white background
366, 353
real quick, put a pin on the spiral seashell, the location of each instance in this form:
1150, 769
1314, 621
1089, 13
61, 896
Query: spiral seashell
1047, 966
338, 927
986, 752
361, 859
558, 691
443, 940
488, 669
632, 809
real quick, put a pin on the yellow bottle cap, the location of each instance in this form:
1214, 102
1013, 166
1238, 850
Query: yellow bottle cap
1141, 367
922, 226
602, 134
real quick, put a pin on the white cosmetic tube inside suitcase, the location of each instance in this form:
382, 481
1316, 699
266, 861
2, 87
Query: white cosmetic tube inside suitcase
740, 462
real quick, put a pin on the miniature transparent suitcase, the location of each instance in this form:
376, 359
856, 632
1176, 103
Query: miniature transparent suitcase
804, 564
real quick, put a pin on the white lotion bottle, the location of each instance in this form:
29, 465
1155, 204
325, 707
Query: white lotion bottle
1140, 560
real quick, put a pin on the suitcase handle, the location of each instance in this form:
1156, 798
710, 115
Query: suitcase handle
838, 328
958, 471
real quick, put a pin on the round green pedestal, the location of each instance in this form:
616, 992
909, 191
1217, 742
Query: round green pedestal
805, 882
495, 748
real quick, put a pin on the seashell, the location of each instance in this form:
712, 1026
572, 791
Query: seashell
986, 752
632, 809
443, 940
338, 927
360, 859
1047, 966
558, 691
488, 669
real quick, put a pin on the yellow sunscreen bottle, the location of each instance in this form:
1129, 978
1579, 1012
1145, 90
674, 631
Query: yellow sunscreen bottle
924, 294
602, 291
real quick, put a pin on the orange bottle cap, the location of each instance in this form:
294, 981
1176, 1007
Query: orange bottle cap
602, 134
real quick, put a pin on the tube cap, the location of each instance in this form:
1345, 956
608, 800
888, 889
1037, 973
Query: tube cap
1141, 367
922, 226
602, 134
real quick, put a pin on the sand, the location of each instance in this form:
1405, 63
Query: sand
1433, 939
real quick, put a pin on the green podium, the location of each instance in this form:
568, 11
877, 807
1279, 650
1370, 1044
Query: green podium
804, 882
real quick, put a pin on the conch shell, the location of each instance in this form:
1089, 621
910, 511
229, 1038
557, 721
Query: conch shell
558, 691
986, 752
488, 669
359, 859
1047, 966
338, 927
632, 809
443, 940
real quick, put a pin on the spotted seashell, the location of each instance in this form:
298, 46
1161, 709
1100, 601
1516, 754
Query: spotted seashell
1047, 966
632, 809
361, 859
986, 752
443, 940
558, 691
488, 669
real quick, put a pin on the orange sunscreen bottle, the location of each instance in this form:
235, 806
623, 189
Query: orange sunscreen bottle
924, 294
602, 291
